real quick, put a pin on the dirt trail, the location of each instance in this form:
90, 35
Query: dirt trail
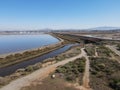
86, 74
96, 54
85, 85
39, 74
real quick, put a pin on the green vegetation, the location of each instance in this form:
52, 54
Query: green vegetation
90, 50
115, 81
104, 51
73, 70
105, 74
70, 53
118, 46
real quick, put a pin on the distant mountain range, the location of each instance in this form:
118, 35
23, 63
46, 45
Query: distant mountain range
105, 28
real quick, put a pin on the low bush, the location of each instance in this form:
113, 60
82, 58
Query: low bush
29, 69
104, 51
90, 50
118, 46
72, 70
107, 70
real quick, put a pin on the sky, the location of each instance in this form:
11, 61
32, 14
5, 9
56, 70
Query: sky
58, 14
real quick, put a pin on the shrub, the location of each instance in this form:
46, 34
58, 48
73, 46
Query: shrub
115, 84
106, 70
29, 69
72, 70
70, 77
118, 46
35, 67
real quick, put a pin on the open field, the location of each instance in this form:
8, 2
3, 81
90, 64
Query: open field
53, 84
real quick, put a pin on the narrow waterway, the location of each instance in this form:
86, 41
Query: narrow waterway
11, 69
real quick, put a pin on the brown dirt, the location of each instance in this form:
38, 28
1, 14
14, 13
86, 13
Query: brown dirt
51, 84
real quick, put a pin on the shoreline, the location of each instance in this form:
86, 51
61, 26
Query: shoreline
45, 49
32, 49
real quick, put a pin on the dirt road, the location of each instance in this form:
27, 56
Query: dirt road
39, 74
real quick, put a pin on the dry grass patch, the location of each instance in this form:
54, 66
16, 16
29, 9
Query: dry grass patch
51, 84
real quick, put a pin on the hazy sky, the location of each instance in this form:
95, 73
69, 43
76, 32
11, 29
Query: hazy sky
58, 14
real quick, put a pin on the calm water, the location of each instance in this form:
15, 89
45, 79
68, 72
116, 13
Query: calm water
10, 69
14, 43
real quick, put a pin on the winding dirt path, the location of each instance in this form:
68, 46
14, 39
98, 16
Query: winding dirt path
85, 84
86, 74
39, 74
